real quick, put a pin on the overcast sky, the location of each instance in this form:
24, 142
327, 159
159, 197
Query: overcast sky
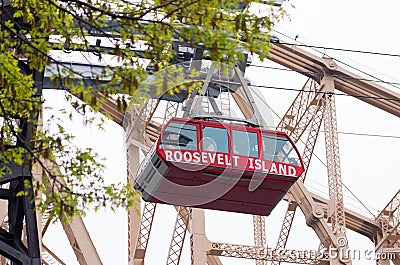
369, 164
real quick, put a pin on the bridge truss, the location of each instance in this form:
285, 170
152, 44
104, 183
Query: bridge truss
328, 217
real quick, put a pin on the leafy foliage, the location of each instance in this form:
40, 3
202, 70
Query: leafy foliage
112, 34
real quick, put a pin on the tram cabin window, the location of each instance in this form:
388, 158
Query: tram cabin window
179, 136
215, 139
280, 149
245, 143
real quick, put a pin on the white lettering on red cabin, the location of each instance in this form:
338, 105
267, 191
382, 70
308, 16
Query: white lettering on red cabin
273, 169
195, 157
235, 160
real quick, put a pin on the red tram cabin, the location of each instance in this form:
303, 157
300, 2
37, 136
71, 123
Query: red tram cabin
212, 165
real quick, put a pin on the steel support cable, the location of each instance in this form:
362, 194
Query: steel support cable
323, 192
341, 49
335, 49
394, 84
333, 93
327, 74
65, 65
352, 67
339, 132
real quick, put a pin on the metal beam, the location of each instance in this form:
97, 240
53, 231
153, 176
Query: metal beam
259, 235
347, 82
199, 244
315, 219
354, 221
336, 204
389, 217
81, 242
264, 254
135, 128
77, 234
301, 112
49, 258
313, 107
179, 234
144, 232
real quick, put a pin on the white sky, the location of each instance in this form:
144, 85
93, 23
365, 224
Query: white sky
369, 164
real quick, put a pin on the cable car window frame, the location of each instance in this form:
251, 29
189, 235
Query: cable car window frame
205, 138
287, 156
176, 144
257, 144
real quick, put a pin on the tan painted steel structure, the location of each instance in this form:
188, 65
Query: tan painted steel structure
345, 81
328, 217
314, 104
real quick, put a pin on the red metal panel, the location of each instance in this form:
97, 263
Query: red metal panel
180, 188
223, 181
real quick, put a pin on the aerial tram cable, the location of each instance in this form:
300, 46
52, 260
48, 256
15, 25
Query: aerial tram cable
348, 65
339, 132
301, 44
364, 209
333, 75
377, 80
65, 65
340, 49
331, 93
371, 135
